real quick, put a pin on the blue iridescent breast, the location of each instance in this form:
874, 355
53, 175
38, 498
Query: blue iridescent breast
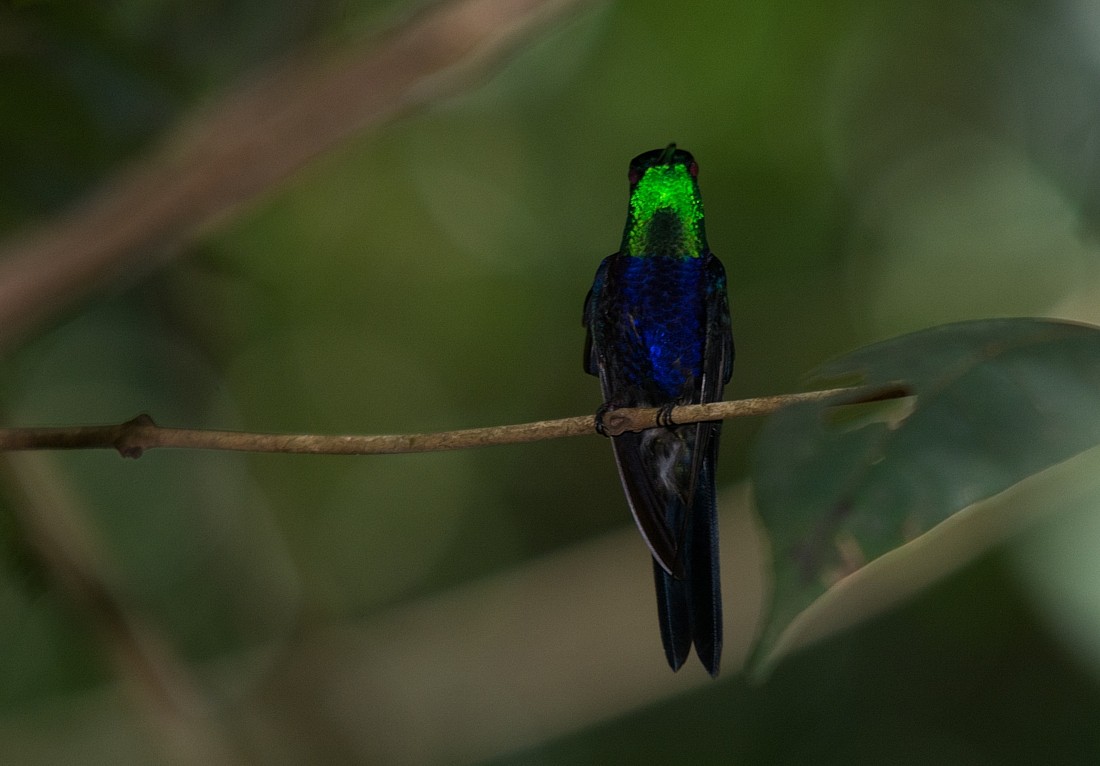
663, 315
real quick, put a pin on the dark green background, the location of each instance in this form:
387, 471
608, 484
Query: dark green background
867, 170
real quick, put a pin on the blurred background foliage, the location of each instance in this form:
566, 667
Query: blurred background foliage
868, 169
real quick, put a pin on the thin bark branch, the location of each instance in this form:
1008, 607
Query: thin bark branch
252, 138
133, 437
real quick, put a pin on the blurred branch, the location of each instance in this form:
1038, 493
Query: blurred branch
175, 709
552, 647
135, 436
250, 139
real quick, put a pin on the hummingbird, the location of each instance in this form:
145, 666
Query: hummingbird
658, 335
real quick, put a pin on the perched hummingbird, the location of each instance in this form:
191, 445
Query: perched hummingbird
659, 336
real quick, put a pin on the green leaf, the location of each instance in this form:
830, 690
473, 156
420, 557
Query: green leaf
1072, 486
837, 487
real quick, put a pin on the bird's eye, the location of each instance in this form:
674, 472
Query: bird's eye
635, 176
693, 169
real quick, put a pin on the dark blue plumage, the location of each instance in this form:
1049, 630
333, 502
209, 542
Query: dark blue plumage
659, 335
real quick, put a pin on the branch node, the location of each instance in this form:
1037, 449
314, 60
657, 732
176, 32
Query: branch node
617, 422
129, 440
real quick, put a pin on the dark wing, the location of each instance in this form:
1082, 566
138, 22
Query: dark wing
588, 320
652, 512
717, 368
718, 354
646, 507
690, 607
702, 534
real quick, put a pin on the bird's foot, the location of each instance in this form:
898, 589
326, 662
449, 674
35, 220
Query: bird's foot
664, 415
601, 412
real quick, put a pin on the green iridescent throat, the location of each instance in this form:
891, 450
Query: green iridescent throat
666, 215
